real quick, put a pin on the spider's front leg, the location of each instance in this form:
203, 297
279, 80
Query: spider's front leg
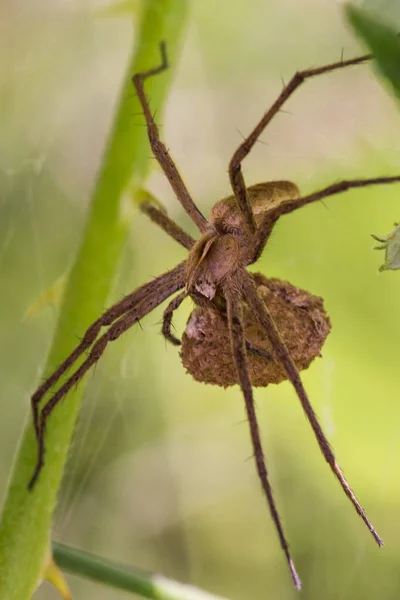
159, 149
289, 205
235, 165
120, 317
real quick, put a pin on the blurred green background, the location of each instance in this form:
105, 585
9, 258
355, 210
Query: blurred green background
159, 475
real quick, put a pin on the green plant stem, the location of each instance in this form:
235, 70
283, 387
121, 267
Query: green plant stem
26, 518
148, 585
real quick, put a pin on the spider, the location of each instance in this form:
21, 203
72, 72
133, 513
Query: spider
215, 277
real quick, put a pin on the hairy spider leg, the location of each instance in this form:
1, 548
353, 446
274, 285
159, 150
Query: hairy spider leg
233, 297
167, 319
119, 318
282, 354
240, 192
288, 206
110, 315
235, 168
159, 149
160, 218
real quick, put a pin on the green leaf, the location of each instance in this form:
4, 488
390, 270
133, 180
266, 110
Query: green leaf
382, 40
384, 43
391, 245
26, 518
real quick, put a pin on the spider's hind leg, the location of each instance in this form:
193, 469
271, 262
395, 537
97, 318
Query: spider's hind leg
238, 345
282, 354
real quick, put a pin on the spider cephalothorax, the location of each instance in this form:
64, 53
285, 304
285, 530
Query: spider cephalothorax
229, 243
257, 316
220, 255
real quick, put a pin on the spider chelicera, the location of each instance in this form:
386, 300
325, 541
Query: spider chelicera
215, 277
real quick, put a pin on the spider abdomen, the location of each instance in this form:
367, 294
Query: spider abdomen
301, 320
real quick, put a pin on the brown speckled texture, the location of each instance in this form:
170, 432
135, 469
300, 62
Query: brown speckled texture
299, 316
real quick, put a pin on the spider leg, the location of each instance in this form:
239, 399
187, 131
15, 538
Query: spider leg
160, 218
124, 322
159, 149
258, 351
235, 323
170, 278
289, 206
235, 168
285, 359
167, 319
219, 304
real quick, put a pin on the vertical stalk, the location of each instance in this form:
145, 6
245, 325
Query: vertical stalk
26, 518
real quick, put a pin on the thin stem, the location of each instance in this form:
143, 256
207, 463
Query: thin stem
123, 577
27, 516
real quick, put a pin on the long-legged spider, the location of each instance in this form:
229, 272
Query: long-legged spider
215, 277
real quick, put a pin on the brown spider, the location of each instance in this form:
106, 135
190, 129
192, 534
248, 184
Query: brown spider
215, 277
